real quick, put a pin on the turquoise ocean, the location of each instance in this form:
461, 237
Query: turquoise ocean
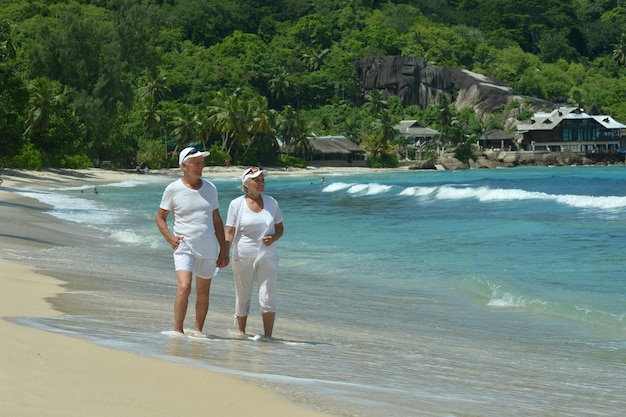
404, 293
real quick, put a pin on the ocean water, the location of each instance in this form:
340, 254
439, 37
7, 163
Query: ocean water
415, 293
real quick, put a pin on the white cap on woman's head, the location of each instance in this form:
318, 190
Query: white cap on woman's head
250, 173
189, 153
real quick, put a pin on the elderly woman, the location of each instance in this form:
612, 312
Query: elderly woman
253, 225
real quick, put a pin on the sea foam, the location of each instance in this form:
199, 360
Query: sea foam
482, 194
75, 209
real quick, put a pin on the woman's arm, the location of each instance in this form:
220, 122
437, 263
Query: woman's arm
278, 233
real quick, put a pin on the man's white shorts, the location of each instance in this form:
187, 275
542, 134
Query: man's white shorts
186, 260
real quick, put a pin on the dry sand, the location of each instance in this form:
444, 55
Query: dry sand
48, 374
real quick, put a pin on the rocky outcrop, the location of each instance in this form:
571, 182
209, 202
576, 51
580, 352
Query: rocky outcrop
405, 77
510, 159
451, 164
491, 159
417, 83
423, 164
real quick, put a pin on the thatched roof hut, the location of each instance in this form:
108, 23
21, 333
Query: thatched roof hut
496, 138
336, 151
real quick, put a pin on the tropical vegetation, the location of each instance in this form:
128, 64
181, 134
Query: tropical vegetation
123, 82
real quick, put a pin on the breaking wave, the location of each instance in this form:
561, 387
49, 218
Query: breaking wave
482, 194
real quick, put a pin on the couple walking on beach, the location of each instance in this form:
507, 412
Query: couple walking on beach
202, 244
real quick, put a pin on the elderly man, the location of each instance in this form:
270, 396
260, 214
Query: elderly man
198, 239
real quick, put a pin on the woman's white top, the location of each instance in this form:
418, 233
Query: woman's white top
250, 227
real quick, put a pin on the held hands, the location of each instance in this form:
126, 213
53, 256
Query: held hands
223, 259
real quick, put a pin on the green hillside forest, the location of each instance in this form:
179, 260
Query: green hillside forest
123, 82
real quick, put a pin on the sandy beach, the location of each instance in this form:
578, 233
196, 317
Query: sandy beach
49, 374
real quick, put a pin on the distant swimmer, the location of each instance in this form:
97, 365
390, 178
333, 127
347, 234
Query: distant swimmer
95, 190
322, 180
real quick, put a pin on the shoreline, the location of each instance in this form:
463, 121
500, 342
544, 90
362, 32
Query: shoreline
51, 374
58, 177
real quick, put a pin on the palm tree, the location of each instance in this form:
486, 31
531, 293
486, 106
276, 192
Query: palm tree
262, 118
205, 127
300, 145
375, 103
288, 124
619, 51
313, 61
292, 129
43, 96
355, 129
226, 114
445, 117
386, 130
261, 127
185, 125
151, 121
150, 94
379, 142
264, 136
153, 88
279, 86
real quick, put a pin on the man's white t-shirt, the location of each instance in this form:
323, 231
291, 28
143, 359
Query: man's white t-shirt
193, 215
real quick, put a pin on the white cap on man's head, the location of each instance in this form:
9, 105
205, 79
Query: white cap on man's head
252, 172
190, 152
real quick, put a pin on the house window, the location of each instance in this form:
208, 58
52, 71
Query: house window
567, 135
